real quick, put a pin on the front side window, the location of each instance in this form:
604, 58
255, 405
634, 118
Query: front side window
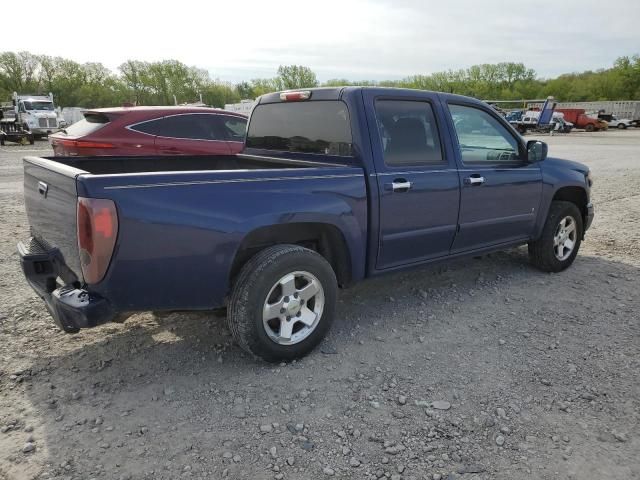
482, 138
320, 127
408, 133
187, 126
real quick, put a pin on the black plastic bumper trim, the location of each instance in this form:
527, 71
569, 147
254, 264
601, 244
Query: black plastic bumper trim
72, 308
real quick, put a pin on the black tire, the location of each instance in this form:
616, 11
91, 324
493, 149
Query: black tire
254, 283
590, 128
541, 251
621, 126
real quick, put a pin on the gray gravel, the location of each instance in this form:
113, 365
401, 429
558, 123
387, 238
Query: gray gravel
539, 372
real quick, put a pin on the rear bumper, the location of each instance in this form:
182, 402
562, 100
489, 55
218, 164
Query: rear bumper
71, 308
590, 215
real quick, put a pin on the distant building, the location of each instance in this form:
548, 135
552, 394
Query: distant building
244, 107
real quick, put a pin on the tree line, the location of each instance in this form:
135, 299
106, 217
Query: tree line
92, 85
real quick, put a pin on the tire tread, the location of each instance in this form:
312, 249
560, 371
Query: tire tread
540, 254
238, 315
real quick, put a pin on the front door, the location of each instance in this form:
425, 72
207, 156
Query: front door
417, 180
501, 190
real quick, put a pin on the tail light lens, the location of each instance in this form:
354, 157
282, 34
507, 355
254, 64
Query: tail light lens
97, 232
81, 144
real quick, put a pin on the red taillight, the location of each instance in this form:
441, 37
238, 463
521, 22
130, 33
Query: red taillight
81, 143
97, 231
295, 96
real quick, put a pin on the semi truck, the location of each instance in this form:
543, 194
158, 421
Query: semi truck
35, 114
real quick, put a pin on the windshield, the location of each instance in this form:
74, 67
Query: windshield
47, 106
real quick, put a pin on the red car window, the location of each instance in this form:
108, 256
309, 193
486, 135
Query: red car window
193, 126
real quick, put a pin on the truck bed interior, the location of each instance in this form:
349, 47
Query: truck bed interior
179, 163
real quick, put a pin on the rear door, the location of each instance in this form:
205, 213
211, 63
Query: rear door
417, 178
190, 134
500, 190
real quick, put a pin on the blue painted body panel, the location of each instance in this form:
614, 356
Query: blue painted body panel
179, 232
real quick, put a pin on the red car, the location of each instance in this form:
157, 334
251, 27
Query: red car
152, 131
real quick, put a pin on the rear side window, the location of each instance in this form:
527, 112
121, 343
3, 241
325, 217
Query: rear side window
408, 133
89, 124
321, 127
196, 126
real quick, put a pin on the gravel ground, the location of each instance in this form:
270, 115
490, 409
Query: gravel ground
482, 369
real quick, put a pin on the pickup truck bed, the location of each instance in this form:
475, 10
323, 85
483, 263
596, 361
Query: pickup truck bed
180, 221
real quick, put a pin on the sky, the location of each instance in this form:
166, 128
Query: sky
354, 39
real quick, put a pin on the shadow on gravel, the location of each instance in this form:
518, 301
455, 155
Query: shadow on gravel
163, 397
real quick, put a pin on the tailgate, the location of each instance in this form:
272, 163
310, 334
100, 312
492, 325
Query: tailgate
50, 198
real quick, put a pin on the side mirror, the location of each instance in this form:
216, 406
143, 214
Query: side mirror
536, 151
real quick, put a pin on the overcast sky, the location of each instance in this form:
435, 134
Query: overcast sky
354, 39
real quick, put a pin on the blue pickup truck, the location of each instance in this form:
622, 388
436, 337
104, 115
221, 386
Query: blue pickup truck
334, 185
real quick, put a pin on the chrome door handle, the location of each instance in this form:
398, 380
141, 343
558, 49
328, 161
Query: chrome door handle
401, 186
474, 180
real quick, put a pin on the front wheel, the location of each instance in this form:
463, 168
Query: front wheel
282, 303
557, 247
622, 126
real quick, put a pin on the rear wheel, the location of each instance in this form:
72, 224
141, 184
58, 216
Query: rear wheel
283, 303
557, 247
622, 126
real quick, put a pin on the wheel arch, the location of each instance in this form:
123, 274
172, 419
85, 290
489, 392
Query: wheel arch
324, 238
576, 195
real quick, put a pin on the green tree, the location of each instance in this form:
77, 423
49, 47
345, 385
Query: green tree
628, 70
18, 72
295, 76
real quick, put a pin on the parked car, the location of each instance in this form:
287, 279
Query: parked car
334, 185
615, 122
152, 131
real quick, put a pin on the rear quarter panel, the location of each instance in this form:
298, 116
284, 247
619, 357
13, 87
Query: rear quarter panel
179, 232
